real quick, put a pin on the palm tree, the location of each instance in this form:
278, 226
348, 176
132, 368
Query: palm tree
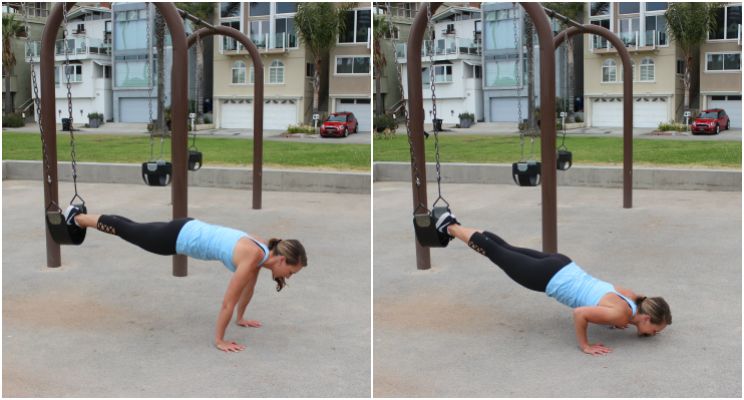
688, 25
574, 11
203, 11
318, 25
380, 27
11, 30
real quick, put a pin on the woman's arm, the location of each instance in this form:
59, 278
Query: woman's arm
245, 298
597, 315
245, 275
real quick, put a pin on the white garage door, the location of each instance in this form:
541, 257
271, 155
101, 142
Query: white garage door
362, 111
279, 114
732, 107
135, 110
646, 113
236, 115
506, 109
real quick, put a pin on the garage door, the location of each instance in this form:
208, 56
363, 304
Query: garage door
279, 114
135, 110
506, 110
732, 107
647, 113
236, 114
361, 109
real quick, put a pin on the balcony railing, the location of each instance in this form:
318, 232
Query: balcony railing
443, 47
278, 41
76, 47
633, 40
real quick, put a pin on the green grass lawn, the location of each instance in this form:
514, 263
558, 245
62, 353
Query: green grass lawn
586, 151
216, 151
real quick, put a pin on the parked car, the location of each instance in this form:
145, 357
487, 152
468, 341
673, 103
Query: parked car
710, 121
339, 124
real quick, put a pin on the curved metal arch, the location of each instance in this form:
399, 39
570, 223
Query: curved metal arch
258, 97
627, 98
179, 110
547, 105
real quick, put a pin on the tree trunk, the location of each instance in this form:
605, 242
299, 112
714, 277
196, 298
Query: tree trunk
687, 81
571, 82
199, 83
160, 44
8, 96
379, 107
316, 85
528, 31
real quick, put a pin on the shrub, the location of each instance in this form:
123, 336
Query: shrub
207, 119
300, 129
13, 121
382, 122
466, 115
672, 126
95, 115
578, 119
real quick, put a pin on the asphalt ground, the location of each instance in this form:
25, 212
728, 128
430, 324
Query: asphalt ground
464, 329
114, 322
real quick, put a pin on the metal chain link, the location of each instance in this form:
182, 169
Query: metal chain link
518, 84
433, 87
73, 154
148, 74
416, 173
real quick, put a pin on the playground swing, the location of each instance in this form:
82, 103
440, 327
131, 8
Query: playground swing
564, 158
425, 220
525, 172
195, 156
59, 230
155, 172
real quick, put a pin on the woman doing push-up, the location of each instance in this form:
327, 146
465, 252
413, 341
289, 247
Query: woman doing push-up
593, 300
239, 252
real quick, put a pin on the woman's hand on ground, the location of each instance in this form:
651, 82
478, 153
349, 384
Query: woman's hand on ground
249, 323
597, 349
229, 346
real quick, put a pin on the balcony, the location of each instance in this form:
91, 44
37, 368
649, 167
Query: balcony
634, 42
276, 43
77, 48
442, 49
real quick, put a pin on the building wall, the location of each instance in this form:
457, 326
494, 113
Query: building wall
402, 17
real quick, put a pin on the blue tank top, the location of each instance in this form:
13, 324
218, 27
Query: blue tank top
212, 242
575, 288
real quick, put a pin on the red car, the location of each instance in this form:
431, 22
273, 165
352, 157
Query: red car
710, 121
339, 124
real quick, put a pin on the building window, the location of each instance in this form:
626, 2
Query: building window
358, 23
442, 74
286, 7
500, 29
722, 61
259, 8
680, 66
648, 70
501, 73
352, 65
252, 75
628, 31
130, 30
609, 71
259, 30
285, 32
229, 43
131, 71
238, 73
230, 10
656, 6
656, 30
728, 21
629, 7
310, 70
599, 8
276, 72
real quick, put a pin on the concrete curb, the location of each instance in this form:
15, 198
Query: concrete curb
222, 177
609, 177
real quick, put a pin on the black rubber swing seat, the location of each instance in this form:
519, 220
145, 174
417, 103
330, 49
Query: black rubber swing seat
195, 159
564, 160
424, 225
61, 232
157, 173
526, 173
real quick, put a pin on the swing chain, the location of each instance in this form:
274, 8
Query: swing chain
148, 74
73, 154
567, 48
521, 126
433, 87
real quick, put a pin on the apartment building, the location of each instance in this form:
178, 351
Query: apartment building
720, 65
658, 94
454, 53
351, 67
400, 16
288, 67
88, 48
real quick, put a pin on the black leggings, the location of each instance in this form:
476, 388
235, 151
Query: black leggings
155, 237
530, 268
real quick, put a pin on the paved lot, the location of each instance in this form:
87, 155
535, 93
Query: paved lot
113, 322
464, 329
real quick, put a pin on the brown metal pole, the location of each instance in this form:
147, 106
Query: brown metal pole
416, 117
179, 110
547, 125
258, 100
48, 121
627, 101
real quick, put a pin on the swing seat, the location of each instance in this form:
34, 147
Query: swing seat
526, 173
564, 160
61, 232
157, 173
195, 159
424, 225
